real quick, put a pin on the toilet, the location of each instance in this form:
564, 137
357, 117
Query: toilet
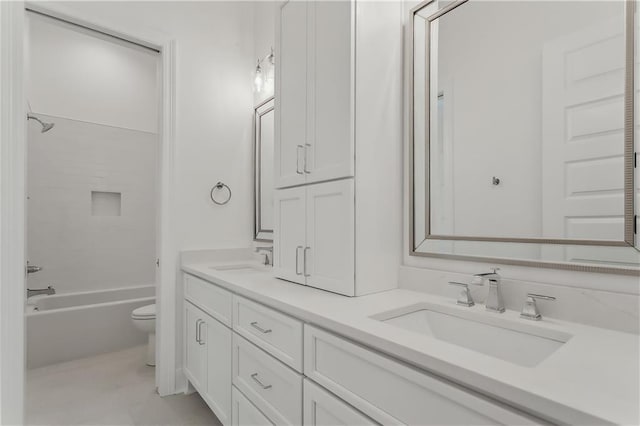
144, 318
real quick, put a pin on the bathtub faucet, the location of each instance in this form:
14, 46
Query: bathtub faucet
33, 292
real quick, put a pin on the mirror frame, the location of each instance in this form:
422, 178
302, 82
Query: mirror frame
259, 233
629, 160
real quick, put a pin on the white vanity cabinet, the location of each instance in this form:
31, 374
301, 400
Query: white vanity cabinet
315, 92
272, 368
338, 144
314, 236
207, 355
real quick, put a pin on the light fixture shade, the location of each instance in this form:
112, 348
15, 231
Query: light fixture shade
259, 79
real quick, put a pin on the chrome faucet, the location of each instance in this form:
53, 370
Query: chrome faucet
268, 255
494, 301
530, 309
33, 292
464, 297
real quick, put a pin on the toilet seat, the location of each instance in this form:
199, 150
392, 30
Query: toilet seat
144, 312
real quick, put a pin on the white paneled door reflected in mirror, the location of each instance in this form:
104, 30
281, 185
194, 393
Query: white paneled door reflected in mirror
522, 145
263, 137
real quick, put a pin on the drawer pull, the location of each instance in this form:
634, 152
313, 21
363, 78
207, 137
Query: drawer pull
304, 260
198, 330
200, 340
298, 148
260, 329
298, 260
254, 376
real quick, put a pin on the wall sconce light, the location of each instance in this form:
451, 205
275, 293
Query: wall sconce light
264, 78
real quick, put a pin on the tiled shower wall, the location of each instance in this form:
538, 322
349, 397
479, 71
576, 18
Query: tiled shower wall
91, 207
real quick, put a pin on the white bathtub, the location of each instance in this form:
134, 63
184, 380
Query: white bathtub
68, 326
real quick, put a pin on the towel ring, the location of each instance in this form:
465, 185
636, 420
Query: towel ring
218, 186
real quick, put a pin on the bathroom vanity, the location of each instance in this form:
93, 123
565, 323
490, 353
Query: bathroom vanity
262, 350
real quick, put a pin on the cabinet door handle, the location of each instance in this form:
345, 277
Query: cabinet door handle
305, 169
298, 260
254, 376
298, 159
202, 342
260, 329
304, 260
198, 330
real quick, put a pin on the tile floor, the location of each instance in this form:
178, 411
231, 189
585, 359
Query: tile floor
110, 389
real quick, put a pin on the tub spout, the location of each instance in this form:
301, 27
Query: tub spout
33, 292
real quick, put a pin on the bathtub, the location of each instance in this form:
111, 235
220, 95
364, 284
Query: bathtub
63, 327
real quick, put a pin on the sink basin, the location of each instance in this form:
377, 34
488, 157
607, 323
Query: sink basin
523, 344
239, 268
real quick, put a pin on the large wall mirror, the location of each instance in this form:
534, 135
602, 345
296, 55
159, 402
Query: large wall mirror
522, 133
263, 137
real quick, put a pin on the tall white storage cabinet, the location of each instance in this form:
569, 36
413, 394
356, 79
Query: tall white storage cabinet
338, 150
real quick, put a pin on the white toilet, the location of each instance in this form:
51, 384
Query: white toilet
144, 318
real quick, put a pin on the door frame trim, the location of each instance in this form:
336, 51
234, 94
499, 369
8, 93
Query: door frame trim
13, 195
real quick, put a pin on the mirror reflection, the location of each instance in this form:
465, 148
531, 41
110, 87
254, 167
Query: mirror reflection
264, 135
519, 130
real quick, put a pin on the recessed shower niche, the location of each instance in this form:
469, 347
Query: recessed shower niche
106, 203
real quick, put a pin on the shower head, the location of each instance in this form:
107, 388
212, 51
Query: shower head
45, 126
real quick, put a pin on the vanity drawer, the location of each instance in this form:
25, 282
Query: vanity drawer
269, 384
212, 299
276, 333
392, 393
245, 413
322, 408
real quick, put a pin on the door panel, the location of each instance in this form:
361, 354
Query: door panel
330, 64
583, 143
329, 253
195, 356
291, 101
289, 234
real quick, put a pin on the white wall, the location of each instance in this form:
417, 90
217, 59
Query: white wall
214, 72
446, 270
78, 74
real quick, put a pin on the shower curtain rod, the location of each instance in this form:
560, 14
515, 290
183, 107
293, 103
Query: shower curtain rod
84, 27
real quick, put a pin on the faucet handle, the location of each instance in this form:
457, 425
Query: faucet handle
464, 298
530, 309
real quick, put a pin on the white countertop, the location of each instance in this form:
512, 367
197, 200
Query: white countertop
591, 379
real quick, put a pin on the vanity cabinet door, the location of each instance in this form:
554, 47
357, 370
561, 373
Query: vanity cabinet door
289, 234
195, 365
329, 255
218, 358
291, 99
329, 152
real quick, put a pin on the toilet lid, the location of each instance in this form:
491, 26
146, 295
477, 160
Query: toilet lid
144, 312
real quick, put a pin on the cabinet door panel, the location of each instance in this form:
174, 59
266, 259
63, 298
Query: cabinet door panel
330, 65
321, 408
289, 234
195, 353
218, 344
291, 99
329, 253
